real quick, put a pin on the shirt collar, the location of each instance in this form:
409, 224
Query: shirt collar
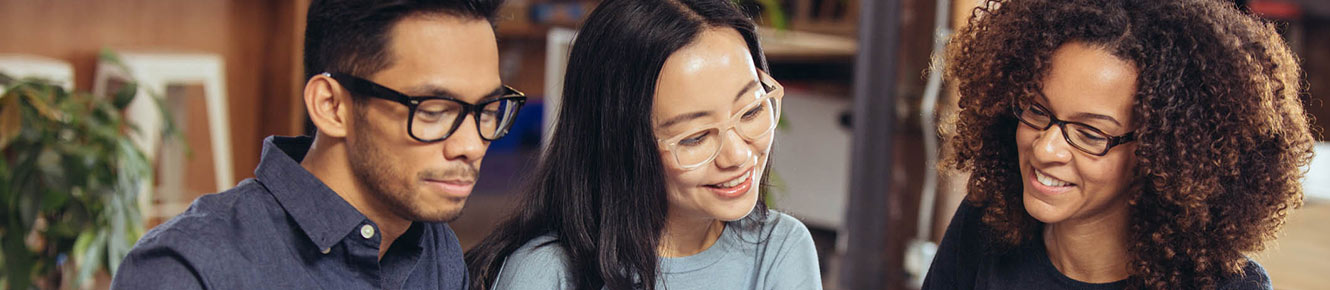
322, 214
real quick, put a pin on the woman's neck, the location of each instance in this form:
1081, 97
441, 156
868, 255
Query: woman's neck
687, 236
1092, 250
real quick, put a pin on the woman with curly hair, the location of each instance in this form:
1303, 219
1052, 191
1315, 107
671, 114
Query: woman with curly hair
1114, 144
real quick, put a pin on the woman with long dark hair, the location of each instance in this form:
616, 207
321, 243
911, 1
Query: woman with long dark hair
653, 177
1114, 144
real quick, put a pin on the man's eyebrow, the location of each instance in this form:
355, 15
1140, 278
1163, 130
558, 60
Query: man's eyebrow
495, 93
684, 117
429, 90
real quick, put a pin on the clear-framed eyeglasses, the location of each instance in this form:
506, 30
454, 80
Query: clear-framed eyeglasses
755, 121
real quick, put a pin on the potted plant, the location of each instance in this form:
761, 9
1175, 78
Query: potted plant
69, 183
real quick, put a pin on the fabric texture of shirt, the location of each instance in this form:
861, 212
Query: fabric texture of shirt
285, 229
963, 262
775, 253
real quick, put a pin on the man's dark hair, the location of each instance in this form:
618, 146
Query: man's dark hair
349, 36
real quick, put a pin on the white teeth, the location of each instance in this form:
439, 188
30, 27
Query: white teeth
735, 182
1048, 180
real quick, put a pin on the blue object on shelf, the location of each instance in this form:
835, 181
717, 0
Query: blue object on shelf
525, 133
570, 12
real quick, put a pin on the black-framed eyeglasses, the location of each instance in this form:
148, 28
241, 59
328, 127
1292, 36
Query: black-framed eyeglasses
1080, 135
434, 118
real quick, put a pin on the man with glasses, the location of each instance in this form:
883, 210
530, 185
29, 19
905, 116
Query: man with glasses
406, 97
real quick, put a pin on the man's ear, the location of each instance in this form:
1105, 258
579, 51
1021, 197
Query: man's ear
328, 106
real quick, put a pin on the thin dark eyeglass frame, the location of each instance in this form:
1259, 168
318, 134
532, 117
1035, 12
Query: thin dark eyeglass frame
369, 88
1062, 124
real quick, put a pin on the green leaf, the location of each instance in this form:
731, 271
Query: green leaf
19, 261
83, 242
38, 96
124, 95
11, 122
68, 226
110, 57
775, 13
22, 183
54, 202
170, 128
122, 236
6, 80
90, 258
3, 271
5, 191
28, 202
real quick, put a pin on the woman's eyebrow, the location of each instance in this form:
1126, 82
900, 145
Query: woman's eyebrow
1083, 116
684, 117
1098, 116
694, 115
749, 86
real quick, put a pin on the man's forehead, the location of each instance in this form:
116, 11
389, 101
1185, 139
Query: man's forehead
439, 55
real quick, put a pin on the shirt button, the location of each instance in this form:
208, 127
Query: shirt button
367, 231
325, 251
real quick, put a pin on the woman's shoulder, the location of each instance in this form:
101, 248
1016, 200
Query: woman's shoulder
541, 248
775, 225
1253, 278
961, 253
541, 263
790, 256
778, 232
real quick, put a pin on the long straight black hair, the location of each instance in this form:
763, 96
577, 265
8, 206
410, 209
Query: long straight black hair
600, 188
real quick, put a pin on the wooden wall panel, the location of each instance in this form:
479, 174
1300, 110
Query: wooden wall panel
253, 36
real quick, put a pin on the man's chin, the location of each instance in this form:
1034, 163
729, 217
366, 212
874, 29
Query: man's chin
439, 215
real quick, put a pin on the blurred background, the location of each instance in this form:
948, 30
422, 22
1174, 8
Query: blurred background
214, 77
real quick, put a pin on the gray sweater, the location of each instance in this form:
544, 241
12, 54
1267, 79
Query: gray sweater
775, 253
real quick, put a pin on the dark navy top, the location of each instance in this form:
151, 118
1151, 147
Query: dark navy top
285, 229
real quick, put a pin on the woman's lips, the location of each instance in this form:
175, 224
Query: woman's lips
1057, 186
734, 191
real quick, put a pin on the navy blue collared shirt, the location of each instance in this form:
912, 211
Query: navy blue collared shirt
285, 229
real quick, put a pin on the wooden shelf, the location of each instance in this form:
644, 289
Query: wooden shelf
799, 46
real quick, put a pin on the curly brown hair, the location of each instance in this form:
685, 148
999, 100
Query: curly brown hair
1222, 140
